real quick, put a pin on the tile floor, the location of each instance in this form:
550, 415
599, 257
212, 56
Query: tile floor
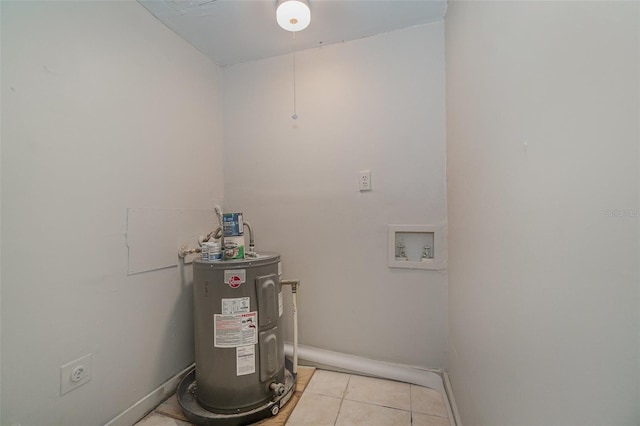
340, 399
346, 399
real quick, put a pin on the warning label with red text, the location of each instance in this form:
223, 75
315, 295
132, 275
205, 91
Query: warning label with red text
231, 331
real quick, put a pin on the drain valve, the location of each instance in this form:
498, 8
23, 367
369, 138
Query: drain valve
277, 388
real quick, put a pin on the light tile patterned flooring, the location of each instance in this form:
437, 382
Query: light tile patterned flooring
346, 399
339, 399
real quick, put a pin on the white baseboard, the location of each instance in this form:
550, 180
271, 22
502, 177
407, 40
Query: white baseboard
145, 405
452, 401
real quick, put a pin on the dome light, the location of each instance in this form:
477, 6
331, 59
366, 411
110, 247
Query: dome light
293, 15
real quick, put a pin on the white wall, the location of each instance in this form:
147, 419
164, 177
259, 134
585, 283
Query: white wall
103, 108
0, 226
375, 103
543, 275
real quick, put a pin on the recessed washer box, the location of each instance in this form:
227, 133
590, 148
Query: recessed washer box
417, 247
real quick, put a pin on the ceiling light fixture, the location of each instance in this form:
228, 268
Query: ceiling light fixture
293, 15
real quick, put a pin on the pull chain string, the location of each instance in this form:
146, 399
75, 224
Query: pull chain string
295, 115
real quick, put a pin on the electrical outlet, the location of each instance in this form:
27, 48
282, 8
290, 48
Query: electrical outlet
75, 373
364, 181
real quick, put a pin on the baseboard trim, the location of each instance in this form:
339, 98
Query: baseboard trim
452, 401
146, 405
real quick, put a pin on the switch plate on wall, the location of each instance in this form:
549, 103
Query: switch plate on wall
364, 181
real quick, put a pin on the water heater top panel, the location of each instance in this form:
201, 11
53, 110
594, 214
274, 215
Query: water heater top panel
261, 259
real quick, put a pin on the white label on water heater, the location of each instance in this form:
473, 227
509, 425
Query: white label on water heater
280, 305
245, 360
231, 331
236, 305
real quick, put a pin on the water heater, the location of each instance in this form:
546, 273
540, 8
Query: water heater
240, 375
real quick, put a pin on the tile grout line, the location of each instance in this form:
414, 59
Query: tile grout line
411, 401
344, 394
389, 407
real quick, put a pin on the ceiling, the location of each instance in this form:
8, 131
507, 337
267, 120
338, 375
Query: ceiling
234, 31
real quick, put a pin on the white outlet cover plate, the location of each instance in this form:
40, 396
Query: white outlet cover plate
66, 371
364, 180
